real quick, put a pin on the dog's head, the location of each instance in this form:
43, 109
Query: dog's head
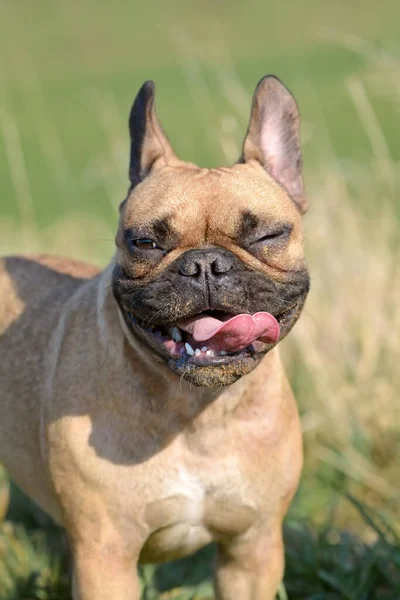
210, 270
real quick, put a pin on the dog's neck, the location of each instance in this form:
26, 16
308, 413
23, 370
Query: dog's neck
168, 394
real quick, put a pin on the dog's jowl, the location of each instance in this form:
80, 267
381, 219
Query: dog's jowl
145, 407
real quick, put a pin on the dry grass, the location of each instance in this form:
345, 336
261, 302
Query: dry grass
348, 342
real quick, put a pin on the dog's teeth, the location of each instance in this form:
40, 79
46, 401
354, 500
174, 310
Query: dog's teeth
210, 353
175, 334
189, 349
197, 352
204, 349
223, 352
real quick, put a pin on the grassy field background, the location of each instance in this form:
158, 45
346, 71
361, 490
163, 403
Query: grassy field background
68, 75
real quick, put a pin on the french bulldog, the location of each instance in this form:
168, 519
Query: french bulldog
145, 406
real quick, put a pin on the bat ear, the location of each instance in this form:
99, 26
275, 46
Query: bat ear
273, 137
150, 148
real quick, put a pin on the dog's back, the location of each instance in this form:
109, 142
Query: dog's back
33, 291
36, 283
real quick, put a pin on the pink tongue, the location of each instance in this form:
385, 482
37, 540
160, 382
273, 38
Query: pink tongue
234, 334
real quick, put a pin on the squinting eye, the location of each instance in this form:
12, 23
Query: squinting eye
280, 234
144, 244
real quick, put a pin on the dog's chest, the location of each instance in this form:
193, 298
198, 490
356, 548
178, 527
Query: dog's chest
199, 504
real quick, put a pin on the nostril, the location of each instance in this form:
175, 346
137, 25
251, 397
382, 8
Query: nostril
207, 262
221, 265
190, 269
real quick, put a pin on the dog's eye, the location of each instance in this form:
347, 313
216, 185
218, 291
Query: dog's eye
142, 247
144, 244
273, 241
280, 234
271, 236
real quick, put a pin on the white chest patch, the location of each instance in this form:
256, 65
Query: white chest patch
191, 490
190, 515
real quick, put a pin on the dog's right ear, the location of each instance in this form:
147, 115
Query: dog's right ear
150, 148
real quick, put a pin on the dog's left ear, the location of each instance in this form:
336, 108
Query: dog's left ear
150, 148
273, 137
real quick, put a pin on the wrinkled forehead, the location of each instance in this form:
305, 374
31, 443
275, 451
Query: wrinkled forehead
190, 199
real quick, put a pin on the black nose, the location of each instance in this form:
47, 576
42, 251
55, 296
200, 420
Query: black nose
198, 263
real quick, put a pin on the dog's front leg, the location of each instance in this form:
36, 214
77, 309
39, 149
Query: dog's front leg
105, 549
250, 569
101, 573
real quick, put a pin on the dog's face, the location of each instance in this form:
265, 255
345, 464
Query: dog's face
210, 268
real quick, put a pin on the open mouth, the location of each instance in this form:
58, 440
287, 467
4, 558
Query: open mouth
214, 337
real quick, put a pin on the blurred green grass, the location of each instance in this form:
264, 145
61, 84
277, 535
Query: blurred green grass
68, 72
68, 75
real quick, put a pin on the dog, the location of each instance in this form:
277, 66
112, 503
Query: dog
145, 406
